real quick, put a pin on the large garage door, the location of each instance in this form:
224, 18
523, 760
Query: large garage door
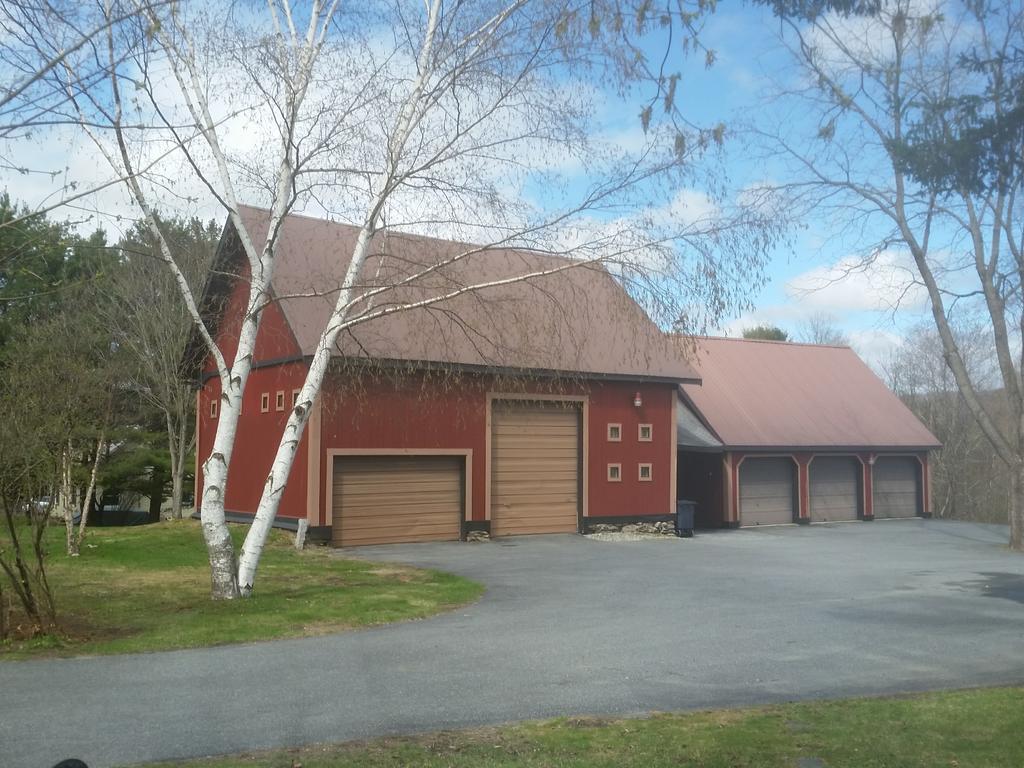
396, 499
535, 468
766, 491
834, 485
895, 486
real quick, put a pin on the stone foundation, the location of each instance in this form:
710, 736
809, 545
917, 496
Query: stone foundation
659, 527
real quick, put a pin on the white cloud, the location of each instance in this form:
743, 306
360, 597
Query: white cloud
688, 207
884, 283
875, 347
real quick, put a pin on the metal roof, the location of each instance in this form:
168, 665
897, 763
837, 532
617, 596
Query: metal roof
577, 321
691, 432
768, 394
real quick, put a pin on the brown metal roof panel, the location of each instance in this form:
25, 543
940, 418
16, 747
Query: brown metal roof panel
761, 393
578, 320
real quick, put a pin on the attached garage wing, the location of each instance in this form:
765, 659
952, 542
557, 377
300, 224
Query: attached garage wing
834, 488
535, 468
767, 491
396, 499
896, 485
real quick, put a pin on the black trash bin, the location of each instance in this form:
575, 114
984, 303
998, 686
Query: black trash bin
684, 517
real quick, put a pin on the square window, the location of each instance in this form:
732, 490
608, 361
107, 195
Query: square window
614, 473
213, 409
645, 473
614, 433
279, 402
645, 433
264, 402
295, 397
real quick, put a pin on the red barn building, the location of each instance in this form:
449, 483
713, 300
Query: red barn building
531, 407
540, 406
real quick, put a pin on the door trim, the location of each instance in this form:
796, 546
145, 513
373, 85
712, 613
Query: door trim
313, 451
860, 482
919, 480
467, 472
583, 495
796, 483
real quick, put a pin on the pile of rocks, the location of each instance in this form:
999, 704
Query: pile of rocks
659, 528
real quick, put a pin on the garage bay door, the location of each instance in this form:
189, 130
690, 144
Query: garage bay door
535, 468
834, 488
895, 486
396, 499
766, 491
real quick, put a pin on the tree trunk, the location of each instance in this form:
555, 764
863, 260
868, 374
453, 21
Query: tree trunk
177, 489
1017, 508
157, 481
270, 500
273, 489
67, 508
156, 497
178, 455
87, 502
5, 612
219, 545
19, 574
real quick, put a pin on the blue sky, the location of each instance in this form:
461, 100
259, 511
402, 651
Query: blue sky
750, 59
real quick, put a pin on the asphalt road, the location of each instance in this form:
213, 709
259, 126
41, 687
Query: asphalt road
568, 626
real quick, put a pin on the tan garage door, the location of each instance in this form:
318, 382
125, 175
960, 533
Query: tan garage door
535, 468
396, 499
834, 486
895, 486
766, 491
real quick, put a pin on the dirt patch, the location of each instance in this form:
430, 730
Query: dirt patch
400, 574
72, 630
319, 628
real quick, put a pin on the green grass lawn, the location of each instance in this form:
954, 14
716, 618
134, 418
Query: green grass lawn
958, 729
147, 588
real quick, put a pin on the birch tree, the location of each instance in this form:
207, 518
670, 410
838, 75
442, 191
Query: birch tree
915, 141
477, 122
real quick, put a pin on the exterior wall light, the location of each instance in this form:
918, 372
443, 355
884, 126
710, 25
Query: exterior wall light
637, 400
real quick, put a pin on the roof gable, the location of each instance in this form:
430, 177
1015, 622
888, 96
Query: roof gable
764, 394
578, 321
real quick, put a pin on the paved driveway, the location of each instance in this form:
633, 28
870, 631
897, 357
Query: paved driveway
569, 625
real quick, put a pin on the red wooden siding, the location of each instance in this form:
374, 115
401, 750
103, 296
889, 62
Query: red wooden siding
404, 413
422, 412
612, 402
257, 439
413, 412
274, 341
258, 433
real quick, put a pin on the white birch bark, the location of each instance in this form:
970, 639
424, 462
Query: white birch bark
273, 488
83, 522
179, 444
185, 69
65, 498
